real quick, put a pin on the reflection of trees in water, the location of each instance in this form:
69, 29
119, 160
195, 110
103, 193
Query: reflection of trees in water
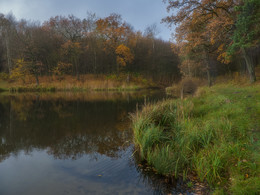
67, 129
76, 146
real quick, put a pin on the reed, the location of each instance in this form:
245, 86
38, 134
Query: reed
122, 82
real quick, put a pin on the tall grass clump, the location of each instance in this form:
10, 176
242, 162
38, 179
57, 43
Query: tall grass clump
214, 135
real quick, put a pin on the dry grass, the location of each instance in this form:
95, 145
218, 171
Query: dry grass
234, 78
238, 78
189, 85
86, 82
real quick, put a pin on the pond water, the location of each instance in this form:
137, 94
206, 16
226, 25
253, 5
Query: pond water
73, 143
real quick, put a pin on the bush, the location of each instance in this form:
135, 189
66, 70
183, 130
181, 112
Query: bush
187, 86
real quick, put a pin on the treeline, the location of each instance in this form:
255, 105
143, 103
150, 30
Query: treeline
216, 36
212, 38
70, 45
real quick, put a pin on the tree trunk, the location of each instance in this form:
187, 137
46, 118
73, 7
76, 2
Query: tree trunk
95, 62
117, 67
189, 71
208, 68
77, 75
77, 68
182, 92
209, 77
8, 53
250, 65
128, 78
37, 79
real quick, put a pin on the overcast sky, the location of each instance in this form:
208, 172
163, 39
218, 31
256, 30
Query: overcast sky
139, 13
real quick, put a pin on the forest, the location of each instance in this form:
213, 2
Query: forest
212, 38
67, 45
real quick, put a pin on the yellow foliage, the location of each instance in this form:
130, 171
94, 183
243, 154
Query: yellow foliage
62, 68
71, 48
113, 30
19, 71
224, 58
120, 61
220, 48
124, 55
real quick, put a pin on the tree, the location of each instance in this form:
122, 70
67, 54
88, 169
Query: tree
71, 51
32, 52
204, 27
150, 33
114, 32
19, 71
247, 33
8, 33
124, 55
62, 69
92, 41
72, 30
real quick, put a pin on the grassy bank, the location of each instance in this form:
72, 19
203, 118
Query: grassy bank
122, 82
214, 136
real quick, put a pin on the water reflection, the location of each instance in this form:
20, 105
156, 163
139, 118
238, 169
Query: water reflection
68, 126
78, 143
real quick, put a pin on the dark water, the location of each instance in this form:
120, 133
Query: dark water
65, 143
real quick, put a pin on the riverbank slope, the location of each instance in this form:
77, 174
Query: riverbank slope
214, 135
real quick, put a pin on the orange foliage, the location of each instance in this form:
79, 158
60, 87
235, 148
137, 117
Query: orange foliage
71, 47
204, 28
124, 55
113, 30
62, 68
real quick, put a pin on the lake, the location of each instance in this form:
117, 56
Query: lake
74, 143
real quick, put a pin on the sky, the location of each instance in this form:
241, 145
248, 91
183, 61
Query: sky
139, 13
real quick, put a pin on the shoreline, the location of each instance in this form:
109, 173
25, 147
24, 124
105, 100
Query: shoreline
86, 83
209, 135
20, 89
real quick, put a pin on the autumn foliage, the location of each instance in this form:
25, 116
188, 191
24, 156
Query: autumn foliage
124, 55
207, 29
67, 45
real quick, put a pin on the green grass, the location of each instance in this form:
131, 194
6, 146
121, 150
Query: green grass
214, 135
